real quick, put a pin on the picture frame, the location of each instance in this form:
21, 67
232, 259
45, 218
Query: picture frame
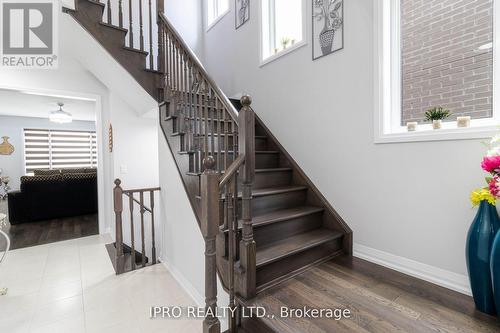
241, 12
327, 27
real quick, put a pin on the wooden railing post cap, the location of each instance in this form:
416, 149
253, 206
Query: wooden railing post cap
118, 182
209, 163
246, 100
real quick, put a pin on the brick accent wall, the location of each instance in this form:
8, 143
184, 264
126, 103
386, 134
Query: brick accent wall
441, 63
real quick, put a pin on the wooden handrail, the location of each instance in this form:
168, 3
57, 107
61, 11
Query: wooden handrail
224, 99
231, 171
154, 189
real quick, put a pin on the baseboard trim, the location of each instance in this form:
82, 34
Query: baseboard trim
185, 284
432, 274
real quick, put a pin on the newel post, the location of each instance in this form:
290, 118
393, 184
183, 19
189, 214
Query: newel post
246, 126
118, 207
209, 229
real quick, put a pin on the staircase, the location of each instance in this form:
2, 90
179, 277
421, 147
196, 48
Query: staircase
262, 218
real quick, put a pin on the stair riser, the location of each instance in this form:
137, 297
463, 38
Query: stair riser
90, 9
268, 203
276, 231
297, 261
266, 234
272, 179
262, 160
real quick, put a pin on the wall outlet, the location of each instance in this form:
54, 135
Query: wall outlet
123, 169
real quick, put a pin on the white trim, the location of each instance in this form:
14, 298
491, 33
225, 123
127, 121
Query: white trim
184, 283
217, 20
283, 53
264, 61
432, 274
387, 85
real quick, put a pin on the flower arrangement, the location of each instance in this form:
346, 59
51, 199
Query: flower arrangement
490, 164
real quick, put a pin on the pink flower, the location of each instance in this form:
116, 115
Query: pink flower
491, 163
494, 186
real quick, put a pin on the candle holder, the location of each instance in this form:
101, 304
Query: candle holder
463, 122
412, 126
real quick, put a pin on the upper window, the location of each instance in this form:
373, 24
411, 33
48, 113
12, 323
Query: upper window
282, 27
53, 149
216, 9
435, 56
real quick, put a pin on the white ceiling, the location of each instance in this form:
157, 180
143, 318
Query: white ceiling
28, 104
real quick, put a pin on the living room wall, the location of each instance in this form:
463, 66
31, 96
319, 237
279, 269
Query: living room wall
11, 126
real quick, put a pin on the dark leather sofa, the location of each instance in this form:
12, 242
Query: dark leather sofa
51, 194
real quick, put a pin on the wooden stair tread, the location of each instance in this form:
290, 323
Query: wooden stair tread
295, 244
276, 190
284, 215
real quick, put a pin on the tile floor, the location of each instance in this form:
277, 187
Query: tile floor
71, 286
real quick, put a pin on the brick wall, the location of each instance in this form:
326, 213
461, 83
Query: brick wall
441, 63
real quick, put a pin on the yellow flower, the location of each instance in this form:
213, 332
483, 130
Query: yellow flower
482, 194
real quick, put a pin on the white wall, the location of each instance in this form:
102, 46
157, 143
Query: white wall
87, 71
13, 165
186, 17
406, 203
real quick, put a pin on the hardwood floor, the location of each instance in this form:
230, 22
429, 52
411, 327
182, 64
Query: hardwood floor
380, 299
44, 232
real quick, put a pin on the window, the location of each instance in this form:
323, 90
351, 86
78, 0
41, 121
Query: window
51, 149
216, 10
282, 27
431, 56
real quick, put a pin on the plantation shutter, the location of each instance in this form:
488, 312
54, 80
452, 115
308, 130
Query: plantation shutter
54, 149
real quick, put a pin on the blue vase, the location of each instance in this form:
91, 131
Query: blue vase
495, 270
479, 245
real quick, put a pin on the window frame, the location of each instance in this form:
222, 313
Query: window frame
263, 33
388, 84
219, 16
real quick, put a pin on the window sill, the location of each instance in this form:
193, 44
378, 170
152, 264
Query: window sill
444, 134
217, 20
280, 54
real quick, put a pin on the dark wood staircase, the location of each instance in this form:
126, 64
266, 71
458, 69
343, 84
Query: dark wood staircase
90, 15
282, 222
294, 226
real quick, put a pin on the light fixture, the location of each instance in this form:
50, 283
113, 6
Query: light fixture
60, 116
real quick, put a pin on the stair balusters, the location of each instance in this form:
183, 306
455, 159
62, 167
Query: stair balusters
152, 18
220, 144
120, 263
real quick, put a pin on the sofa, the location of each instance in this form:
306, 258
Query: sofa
51, 194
